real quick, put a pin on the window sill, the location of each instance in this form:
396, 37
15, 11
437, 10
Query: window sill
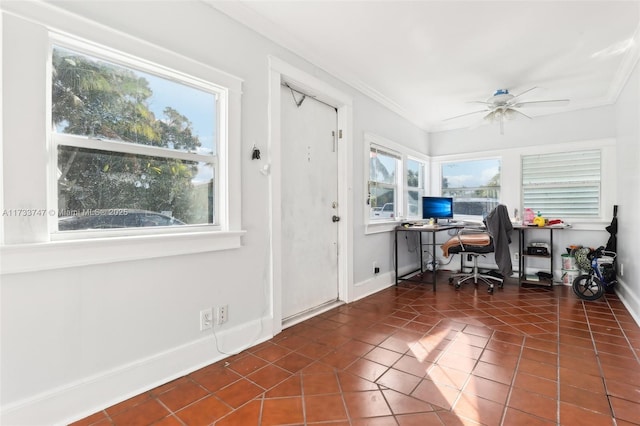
22, 258
379, 227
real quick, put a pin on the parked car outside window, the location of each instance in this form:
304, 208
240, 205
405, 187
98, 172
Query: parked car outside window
385, 212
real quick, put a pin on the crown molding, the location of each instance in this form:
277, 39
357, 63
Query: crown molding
246, 16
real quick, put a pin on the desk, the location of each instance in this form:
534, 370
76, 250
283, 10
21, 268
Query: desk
433, 229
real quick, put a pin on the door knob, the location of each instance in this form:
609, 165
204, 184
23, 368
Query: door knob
335, 218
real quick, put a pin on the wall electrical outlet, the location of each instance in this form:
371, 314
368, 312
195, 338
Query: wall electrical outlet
206, 319
376, 268
222, 314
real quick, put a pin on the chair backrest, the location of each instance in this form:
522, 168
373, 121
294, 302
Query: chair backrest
498, 220
499, 226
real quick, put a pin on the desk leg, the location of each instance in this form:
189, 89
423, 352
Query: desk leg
433, 259
551, 254
396, 254
421, 261
520, 258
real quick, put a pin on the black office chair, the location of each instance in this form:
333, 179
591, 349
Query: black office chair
474, 242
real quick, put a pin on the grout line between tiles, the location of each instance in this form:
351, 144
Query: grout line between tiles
513, 380
558, 385
597, 353
624, 333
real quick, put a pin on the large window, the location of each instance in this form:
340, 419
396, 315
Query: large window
474, 185
415, 187
384, 171
565, 184
135, 145
395, 182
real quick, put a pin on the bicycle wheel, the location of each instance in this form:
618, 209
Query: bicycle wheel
588, 287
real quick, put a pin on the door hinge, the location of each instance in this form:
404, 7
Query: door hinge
340, 134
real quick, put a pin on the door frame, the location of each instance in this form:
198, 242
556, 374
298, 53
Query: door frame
280, 71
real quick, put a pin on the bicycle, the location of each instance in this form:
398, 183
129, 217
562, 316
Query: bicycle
601, 274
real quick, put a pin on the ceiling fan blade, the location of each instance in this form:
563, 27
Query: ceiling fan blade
512, 113
522, 93
491, 116
560, 102
464, 115
504, 106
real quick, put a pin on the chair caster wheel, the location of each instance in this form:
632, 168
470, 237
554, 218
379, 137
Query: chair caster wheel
450, 280
490, 290
458, 286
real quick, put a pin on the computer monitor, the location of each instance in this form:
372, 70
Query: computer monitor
437, 207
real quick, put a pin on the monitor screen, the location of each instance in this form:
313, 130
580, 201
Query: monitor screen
437, 207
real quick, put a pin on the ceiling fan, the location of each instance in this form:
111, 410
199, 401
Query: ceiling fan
505, 106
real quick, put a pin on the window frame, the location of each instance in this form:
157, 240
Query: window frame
421, 188
395, 186
388, 224
136, 63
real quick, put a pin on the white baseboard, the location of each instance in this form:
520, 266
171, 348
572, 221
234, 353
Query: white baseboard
296, 319
378, 282
372, 285
629, 299
77, 400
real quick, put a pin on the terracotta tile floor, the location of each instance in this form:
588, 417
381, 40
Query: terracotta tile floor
406, 356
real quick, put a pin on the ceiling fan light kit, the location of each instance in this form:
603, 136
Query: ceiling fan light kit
505, 106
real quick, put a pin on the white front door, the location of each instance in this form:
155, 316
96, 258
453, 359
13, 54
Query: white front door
309, 203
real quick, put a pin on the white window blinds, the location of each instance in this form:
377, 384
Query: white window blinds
563, 184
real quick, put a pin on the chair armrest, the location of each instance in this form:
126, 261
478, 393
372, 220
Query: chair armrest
473, 238
464, 238
475, 230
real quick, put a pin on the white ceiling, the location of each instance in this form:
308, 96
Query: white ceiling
427, 59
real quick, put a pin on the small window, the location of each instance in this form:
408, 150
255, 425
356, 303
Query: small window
384, 170
474, 186
415, 187
135, 146
563, 184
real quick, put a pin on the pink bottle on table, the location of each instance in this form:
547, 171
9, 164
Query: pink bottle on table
528, 216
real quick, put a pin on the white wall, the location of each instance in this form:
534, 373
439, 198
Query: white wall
628, 190
376, 247
78, 339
